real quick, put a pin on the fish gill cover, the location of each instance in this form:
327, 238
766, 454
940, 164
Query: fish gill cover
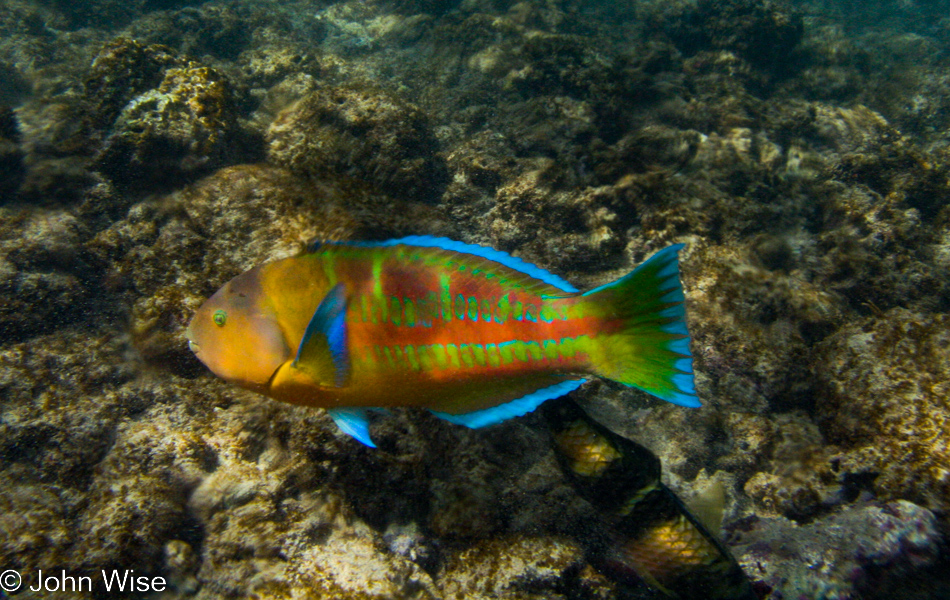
150, 151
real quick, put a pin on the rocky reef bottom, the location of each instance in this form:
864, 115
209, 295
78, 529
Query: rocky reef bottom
223, 493
151, 150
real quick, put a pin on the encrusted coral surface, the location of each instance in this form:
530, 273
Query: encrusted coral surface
184, 125
151, 150
886, 382
863, 550
359, 130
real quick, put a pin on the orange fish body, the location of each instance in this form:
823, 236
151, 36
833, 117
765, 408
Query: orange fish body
468, 332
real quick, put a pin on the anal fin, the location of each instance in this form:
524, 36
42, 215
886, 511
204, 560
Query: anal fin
515, 408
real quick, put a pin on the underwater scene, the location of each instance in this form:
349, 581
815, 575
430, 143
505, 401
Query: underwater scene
560, 299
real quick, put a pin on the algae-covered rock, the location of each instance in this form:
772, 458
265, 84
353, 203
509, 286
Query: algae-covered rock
209, 30
42, 273
360, 132
800, 480
865, 551
521, 568
761, 31
306, 548
123, 69
34, 528
559, 228
182, 128
478, 166
63, 395
885, 383
754, 326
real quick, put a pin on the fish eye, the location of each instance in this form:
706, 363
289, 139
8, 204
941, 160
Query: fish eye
220, 318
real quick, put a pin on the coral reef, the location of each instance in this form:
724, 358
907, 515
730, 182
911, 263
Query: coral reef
359, 132
150, 150
884, 381
864, 551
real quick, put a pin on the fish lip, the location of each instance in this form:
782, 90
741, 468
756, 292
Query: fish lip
194, 347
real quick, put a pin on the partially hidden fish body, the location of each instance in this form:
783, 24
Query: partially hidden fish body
470, 333
647, 533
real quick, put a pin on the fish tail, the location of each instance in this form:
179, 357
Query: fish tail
644, 342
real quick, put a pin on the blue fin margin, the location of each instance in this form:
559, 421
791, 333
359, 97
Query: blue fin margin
667, 264
503, 258
355, 421
515, 408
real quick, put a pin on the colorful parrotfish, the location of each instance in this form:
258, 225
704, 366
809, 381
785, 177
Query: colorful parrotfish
646, 534
472, 334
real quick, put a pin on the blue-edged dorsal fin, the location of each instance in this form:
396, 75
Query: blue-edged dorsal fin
515, 408
353, 422
503, 258
324, 341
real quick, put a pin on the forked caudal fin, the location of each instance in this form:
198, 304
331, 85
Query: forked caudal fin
648, 344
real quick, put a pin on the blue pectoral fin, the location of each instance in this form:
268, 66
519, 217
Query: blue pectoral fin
515, 408
325, 338
354, 422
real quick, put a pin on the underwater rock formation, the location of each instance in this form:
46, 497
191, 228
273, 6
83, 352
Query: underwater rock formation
360, 132
484, 570
49, 457
123, 69
760, 31
183, 127
800, 154
43, 278
567, 228
863, 551
884, 381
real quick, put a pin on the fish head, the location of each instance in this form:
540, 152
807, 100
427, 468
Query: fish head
237, 335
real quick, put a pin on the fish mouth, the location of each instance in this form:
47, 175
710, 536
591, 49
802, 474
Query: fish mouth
194, 347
